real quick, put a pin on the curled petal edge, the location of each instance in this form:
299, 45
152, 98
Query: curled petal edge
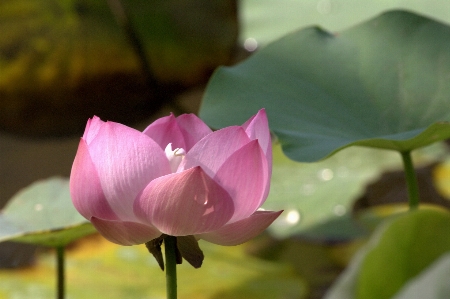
257, 127
125, 232
93, 125
241, 231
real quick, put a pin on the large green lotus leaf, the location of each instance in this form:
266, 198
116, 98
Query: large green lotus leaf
380, 84
401, 252
43, 214
98, 269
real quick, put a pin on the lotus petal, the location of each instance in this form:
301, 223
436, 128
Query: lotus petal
212, 151
126, 161
125, 233
245, 175
185, 203
193, 129
241, 231
85, 187
166, 130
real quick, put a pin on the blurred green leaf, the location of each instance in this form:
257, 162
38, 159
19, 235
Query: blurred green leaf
431, 283
375, 215
43, 214
45, 42
380, 84
335, 229
318, 197
186, 40
398, 251
408, 246
70, 57
345, 284
98, 269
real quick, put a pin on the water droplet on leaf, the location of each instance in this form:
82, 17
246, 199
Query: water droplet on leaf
289, 218
250, 44
292, 217
325, 174
339, 210
324, 7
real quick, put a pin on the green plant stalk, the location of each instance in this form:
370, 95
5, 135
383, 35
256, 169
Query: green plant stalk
411, 180
60, 287
170, 247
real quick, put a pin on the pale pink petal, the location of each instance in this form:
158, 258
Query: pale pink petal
245, 175
241, 231
213, 150
185, 203
193, 129
125, 233
85, 188
257, 127
166, 130
93, 125
126, 161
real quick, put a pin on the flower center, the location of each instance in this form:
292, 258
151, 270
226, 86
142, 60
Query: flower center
174, 156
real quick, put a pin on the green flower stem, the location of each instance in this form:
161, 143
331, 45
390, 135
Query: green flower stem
170, 247
411, 180
60, 272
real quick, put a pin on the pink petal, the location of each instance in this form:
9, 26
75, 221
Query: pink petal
213, 150
245, 175
126, 161
166, 130
125, 233
185, 203
85, 188
257, 127
92, 127
241, 231
193, 129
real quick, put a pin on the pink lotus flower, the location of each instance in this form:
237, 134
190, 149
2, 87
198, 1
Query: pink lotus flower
177, 177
